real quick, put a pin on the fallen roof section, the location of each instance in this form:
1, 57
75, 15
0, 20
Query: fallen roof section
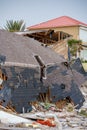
77, 65
19, 50
64, 83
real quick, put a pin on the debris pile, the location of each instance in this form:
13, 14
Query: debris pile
46, 116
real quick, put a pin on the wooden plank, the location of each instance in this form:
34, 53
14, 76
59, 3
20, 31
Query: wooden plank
43, 38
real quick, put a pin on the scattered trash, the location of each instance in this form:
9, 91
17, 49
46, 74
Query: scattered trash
49, 122
45, 116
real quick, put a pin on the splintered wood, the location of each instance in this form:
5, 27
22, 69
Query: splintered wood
3, 77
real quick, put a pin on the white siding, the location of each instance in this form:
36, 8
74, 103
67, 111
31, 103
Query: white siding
83, 54
83, 34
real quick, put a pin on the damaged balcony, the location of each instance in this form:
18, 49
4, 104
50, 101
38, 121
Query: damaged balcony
57, 40
48, 37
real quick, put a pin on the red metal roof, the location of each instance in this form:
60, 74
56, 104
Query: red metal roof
58, 22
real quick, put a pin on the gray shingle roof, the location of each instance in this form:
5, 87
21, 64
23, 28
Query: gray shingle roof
62, 75
20, 50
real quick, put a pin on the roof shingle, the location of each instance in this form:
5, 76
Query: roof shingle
20, 50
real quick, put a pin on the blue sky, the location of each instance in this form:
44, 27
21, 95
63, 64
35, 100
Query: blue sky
37, 11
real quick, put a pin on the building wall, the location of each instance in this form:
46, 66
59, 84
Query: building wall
77, 33
74, 31
83, 54
61, 47
83, 34
83, 37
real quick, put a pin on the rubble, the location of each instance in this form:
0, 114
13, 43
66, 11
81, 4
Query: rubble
40, 84
45, 116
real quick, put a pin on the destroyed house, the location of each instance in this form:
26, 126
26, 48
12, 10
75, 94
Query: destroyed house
25, 68
61, 28
57, 40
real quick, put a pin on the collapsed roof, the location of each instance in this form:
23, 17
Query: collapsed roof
20, 51
23, 84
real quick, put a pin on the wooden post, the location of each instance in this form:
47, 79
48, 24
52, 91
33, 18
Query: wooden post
61, 35
58, 36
